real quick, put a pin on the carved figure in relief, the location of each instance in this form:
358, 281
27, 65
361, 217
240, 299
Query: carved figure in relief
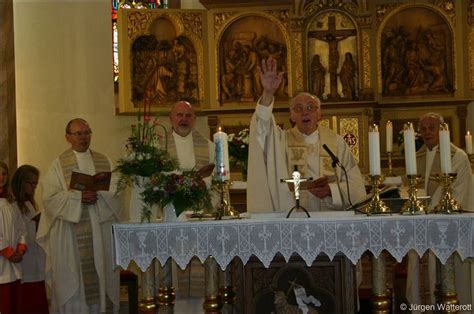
318, 74
347, 76
181, 65
250, 68
163, 71
158, 85
240, 80
417, 59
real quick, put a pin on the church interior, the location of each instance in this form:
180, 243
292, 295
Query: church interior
369, 62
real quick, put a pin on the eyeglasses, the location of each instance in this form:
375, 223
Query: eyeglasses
80, 133
32, 183
308, 107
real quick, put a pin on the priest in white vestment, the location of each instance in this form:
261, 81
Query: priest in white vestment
274, 152
75, 230
193, 151
428, 164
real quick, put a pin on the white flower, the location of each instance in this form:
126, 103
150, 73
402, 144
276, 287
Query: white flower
230, 137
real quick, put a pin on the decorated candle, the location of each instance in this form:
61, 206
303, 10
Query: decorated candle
410, 150
222, 155
445, 148
389, 136
468, 139
374, 150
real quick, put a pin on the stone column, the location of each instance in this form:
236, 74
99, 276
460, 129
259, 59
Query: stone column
8, 146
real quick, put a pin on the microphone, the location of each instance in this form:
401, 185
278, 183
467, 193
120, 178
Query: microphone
335, 160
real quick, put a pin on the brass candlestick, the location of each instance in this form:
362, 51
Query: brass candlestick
390, 168
225, 209
376, 206
413, 206
447, 204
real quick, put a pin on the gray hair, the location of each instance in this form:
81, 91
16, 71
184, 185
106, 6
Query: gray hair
432, 115
292, 102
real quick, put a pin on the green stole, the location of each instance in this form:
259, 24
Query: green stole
296, 153
83, 229
201, 149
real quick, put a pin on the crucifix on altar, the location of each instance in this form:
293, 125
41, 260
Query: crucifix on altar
332, 36
296, 180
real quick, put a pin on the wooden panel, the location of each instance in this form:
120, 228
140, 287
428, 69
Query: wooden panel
331, 282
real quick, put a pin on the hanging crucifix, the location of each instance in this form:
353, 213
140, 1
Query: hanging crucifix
332, 36
296, 179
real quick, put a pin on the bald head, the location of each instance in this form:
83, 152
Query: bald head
182, 118
305, 112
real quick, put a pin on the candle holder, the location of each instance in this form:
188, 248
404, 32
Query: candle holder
390, 168
376, 206
413, 205
447, 204
225, 209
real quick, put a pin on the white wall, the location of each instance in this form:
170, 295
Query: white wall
63, 59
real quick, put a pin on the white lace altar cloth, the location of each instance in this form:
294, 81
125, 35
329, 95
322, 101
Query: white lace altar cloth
268, 235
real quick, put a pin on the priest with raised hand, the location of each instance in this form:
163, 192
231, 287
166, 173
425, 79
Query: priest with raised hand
274, 153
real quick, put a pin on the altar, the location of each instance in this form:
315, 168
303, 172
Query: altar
267, 237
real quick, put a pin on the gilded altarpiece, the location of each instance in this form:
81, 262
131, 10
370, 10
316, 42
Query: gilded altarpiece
367, 62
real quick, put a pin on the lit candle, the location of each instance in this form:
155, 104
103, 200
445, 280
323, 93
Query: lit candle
222, 155
389, 136
410, 150
374, 150
468, 139
445, 148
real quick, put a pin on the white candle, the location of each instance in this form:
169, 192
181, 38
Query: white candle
374, 150
222, 155
389, 136
468, 139
410, 150
445, 148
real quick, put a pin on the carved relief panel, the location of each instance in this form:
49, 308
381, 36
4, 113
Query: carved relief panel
161, 59
243, 41
416, 54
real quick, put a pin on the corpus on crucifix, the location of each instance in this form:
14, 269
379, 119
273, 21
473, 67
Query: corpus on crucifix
296, 179
332, 36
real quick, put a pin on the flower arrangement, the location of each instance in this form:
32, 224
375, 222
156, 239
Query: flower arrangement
186, 190
145, 156
418, 140
149, 166
239, 150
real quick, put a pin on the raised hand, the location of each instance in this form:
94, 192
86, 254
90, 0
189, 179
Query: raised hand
270, 79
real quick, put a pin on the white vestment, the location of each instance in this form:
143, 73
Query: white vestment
270, 160
12, 232
428, 163
33, 262
56, 234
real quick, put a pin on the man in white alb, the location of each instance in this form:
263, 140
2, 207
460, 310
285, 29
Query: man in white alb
428, 164
191, 148
75, 230
193, 151
274, 152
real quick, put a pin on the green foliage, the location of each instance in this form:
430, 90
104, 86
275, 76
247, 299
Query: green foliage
186, 190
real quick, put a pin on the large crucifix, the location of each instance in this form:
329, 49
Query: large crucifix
332, 36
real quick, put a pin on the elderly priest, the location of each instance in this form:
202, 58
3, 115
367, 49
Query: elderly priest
273, 154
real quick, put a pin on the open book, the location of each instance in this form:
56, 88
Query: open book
310, 184
84, 182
